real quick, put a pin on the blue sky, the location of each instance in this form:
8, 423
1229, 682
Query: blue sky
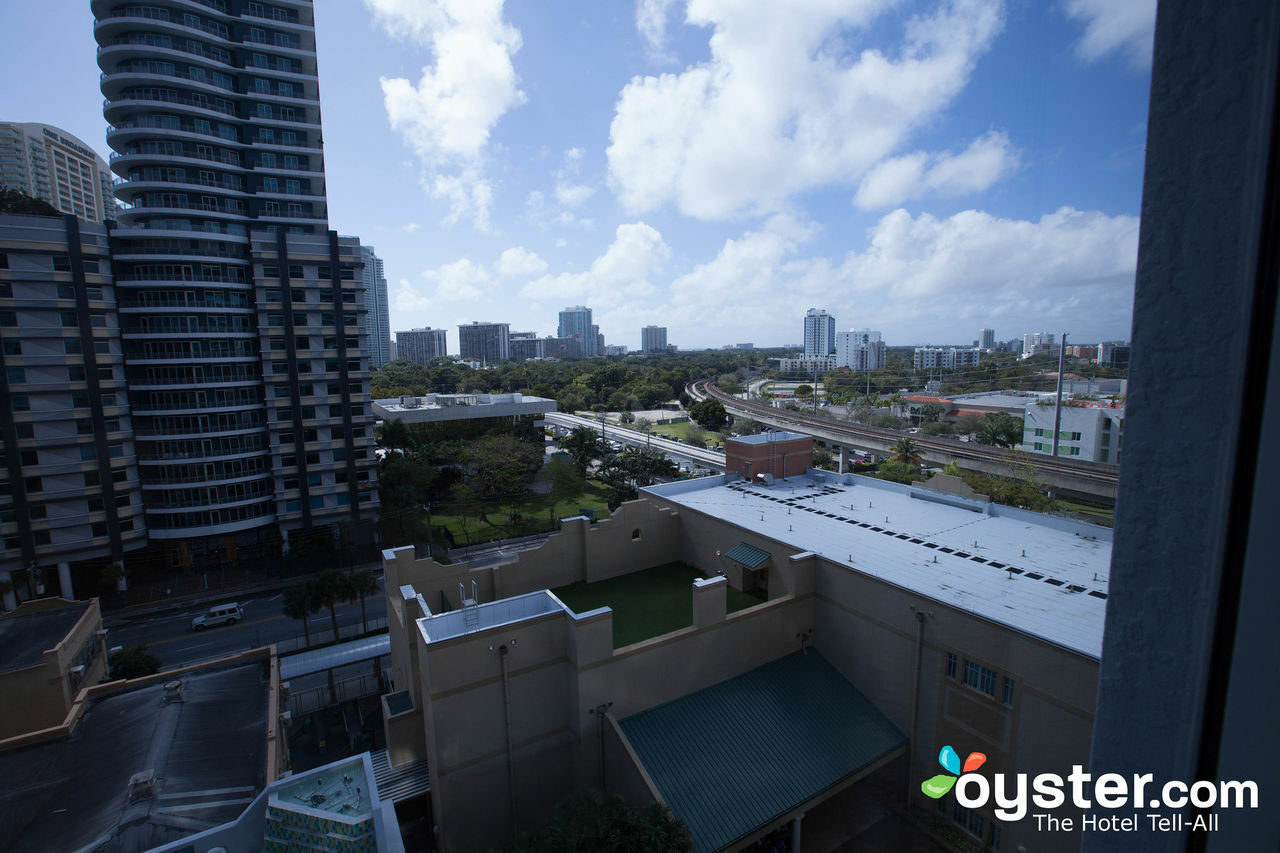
717, 167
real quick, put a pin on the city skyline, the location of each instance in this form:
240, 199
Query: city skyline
1007, 197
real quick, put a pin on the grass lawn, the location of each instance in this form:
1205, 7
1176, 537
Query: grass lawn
681, 431
533, 515
1105, 516
648, 603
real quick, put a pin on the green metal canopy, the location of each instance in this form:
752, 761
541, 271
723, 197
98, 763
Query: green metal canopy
739, 756
748, 555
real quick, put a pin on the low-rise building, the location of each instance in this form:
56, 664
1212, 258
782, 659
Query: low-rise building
1009, 402
805, 366
800, 612
50, 648
948, 358
437, 408
1091, 432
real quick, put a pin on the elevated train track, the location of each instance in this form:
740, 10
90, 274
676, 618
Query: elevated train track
1090, 480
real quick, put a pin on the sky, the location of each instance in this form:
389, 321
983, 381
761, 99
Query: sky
921, 168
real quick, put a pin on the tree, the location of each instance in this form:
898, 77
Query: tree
930, 412
906, 452
394, 435
709, 413
299, 602
1001, 430
588, 821
500, 465
565, 483
583, 445
804, 392
626, 418
133, 662
968, 425
329, 588
16, 201
357, 586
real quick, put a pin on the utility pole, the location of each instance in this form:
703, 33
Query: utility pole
1057, 409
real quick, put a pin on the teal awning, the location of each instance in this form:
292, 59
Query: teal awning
737, 757
748, 555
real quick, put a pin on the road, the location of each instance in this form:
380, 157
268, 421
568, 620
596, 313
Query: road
706, 458
169, 637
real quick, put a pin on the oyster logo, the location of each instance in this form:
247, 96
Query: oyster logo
939, 785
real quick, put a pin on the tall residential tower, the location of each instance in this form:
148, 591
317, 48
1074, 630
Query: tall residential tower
241, 313
47, 162
377, 321
819, 333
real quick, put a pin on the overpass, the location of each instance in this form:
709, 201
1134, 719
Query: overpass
1091, 480
706, 458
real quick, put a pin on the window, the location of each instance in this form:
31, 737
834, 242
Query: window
62, 263
19, 402
980, 678
16, 374
33, 484
13, 347
1008, 691
8, 319
26, 430
88, 453
30, 458
951, 665
75, 373
968, 819
91, 478
69, 319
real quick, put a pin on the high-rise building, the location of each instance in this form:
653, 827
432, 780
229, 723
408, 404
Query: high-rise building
575, 322
243, 329
653, 339
1113, 354
47, 162
526, 345
421, 345
488, 343
597, 340
819, 333
987, 339
859, 350
69, 487
376, 317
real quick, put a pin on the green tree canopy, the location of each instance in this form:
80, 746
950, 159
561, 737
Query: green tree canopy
589, 821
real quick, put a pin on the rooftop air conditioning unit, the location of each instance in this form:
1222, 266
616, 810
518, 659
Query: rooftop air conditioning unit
78, 671
286, 719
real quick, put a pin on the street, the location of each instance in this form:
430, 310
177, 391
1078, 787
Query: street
169, 637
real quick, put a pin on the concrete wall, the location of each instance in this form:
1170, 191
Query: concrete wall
40, 696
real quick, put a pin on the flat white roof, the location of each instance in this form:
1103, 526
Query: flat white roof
1038, 574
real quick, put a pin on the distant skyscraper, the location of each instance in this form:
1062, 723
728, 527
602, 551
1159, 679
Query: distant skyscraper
49, 163
987, 339
819, 333
421, 345
859, 350
527, 345
653, 339
375, 302
575, 322
489, 343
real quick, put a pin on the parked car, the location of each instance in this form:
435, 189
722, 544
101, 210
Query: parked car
219, 614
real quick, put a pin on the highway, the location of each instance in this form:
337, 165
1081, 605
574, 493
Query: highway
706, 458
1089, 479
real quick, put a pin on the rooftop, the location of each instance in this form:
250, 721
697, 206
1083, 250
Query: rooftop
1038, 574
206, 751
766, 437
25, 637
648, 603
766, 743
441, 407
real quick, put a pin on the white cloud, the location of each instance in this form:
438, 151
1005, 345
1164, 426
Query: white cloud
621, 273
569, 193
787, 102
447, 117
410, 227
892, 182
518, 261
651, 21
922, 278
460, 281
1115, 26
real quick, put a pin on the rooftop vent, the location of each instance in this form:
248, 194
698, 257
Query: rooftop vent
173, 691
142, 785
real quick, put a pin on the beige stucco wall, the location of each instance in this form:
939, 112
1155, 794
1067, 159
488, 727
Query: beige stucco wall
561, 667
41, 696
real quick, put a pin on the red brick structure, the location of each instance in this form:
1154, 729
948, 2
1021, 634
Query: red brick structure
782, 454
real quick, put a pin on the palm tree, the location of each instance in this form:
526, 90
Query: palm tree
905, 451
328, 586
300, 601
358, 586
583, 445
394, 435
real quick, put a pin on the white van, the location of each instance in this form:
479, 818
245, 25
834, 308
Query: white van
219, 614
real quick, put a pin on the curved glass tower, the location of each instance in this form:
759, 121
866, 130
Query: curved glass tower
215, 124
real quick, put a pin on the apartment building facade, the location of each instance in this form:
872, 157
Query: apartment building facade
47, 162
421, 345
